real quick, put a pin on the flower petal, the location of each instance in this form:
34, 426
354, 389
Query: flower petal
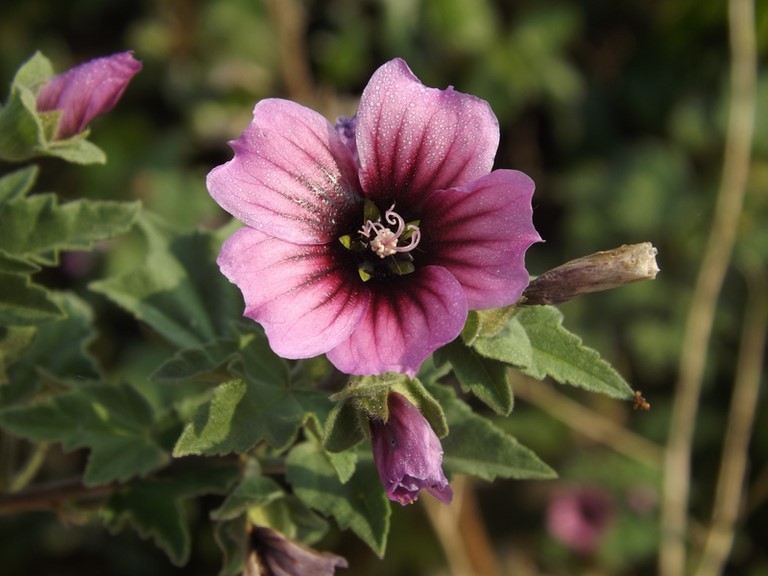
291, 176
301, 296
408, 454
480, 233
407, 319
86, 91
412, 139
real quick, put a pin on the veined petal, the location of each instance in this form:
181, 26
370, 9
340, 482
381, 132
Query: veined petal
412, 139
480, 232
304, 300
407, 319
291, 176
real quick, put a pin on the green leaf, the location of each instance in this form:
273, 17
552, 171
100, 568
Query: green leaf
253, 491
37, 226
243, 412
22, 133
13, 341
485, 378
178, 290
369, 393
510, 345
476, 447
232, 539
155, 508
18, 183
16, 265
23, 303
60, 351
360, 505
78, 150
114, 422
428, 406
197, 363
342, 428
561, 355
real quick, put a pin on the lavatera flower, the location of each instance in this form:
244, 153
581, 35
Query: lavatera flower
408, 454
369, 241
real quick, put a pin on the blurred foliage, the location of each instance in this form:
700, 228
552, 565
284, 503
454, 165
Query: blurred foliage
617, 110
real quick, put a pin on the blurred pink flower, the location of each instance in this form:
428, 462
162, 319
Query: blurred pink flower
580, 517
86, 91
275, 555
370, 241
408, 454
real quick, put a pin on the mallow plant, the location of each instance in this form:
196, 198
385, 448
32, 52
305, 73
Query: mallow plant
326, 344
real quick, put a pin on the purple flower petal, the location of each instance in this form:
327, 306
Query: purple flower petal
305, 301
480, 232
407, 319
86, 91
408, 454
412, 139
276, 555
291, 177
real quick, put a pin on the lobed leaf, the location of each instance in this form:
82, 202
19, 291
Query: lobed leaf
23, 303
179, 290
360, 504
155, 507
475, 446
37, 227
59, 353
18, 183
115, 422
561, 355
486, 378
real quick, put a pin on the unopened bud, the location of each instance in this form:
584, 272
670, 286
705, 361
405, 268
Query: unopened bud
593, 273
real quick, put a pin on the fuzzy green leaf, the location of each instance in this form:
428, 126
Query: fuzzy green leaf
114, 422
476, 447
18, 183
37, 226
561, 355
510, 345
59, 352
254, 490
360, 505
484, 377
197, 363
13, 341
23, 303
243, 412
155, 508
343, 428
178, 290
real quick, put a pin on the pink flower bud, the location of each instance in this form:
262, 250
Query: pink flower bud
86, 91
408, 454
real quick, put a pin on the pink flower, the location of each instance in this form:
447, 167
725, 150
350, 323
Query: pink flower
580, 517
408, 454
370, 241
86, 91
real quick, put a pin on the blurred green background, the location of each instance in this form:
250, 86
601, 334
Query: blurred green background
618, 111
